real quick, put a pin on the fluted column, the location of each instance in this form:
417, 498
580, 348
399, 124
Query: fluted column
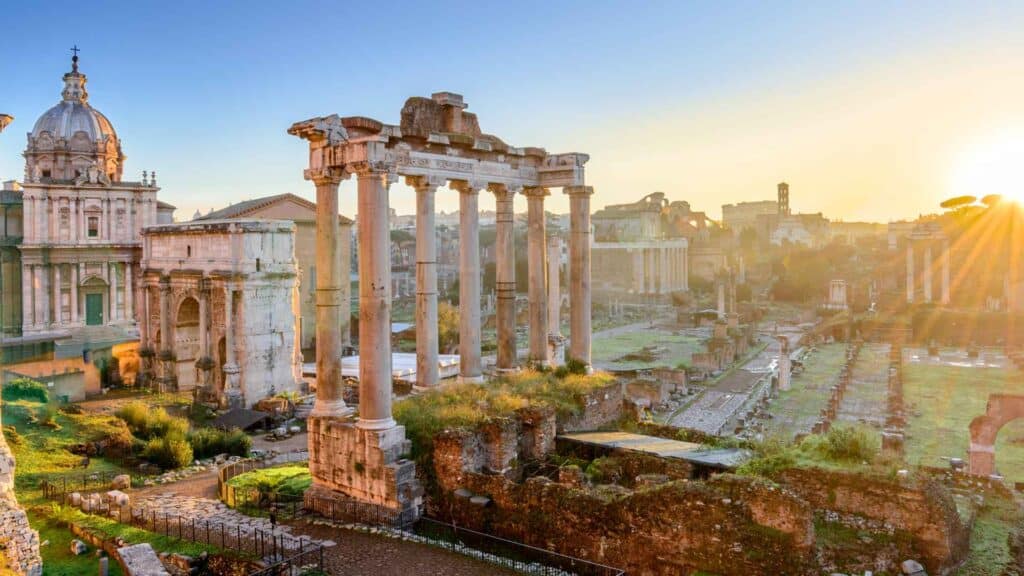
42, 299
638, 271
329, 383
111, 292
427, 370
165, 314
945, 272
910, 271
374, 300
470, 368
579, 271
28, 312
232, 387
74, 293
505, 281
536, 241
204, 320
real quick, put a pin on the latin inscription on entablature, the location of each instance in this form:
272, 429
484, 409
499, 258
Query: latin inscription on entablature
472, 169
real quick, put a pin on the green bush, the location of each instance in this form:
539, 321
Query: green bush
26, 389
843, 444
168, 452
147, 423
207, 442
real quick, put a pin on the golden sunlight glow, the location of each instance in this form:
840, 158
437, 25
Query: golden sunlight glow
992, 166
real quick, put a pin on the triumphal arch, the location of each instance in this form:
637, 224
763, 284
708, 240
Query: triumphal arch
436, 144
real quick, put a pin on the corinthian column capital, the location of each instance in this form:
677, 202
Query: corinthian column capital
425, 183
579, 190
374, 169
325, 176
536, 192
503, 191
467, 186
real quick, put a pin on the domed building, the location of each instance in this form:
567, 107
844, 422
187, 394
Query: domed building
82, 226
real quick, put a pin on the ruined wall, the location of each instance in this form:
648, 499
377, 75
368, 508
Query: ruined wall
671, 528
599, 408
665, 525
923, 508
19, 543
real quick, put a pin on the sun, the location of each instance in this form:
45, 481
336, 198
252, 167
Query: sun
992, 166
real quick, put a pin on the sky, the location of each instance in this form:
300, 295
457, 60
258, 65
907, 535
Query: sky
869, 110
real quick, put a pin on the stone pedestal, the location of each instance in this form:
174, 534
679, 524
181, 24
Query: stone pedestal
348, 462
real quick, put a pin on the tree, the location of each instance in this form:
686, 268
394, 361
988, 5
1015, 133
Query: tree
957, 202
447, 327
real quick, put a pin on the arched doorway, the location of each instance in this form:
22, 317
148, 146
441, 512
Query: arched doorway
186, 342
1001, 409
93, 294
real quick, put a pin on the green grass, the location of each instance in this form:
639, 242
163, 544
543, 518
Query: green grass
796, 409
42, 451
57, 557
942, 400
990, 551
111, 529
287, 480
607, 350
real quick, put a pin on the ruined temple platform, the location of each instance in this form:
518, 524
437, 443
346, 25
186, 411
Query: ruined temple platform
403, 366
716, 458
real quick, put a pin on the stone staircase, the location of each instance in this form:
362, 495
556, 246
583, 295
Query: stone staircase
93, 338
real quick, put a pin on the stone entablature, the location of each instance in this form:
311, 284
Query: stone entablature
225, 291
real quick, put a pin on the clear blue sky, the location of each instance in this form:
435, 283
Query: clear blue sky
711, 102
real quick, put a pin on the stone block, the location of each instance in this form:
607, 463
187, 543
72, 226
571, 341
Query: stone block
141, 560
121, 482
78, 547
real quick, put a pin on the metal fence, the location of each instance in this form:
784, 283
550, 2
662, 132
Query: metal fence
253, 501
56, 487
508, 553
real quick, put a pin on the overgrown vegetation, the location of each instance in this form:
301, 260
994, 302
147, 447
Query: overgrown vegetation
469, 405
146, 422
286, 480
25, 389
168, 452
208, 442
841, 445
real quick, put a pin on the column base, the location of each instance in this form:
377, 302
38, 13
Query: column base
507, 371
331, 408
470, 379
358, 466
378, 424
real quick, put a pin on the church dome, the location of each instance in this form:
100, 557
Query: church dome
72, 138
70, 117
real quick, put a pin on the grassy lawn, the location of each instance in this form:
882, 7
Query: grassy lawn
990, 552
942, 400
57, 557
287, 479
796, 409
607, 351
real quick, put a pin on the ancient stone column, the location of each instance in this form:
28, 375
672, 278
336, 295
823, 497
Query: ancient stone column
927, 272
638, 271
329, 383
232, 385
665, 276
910, 272
165, 313
28, 309
721, 299
785, 376
74, 293
42, 299
470, 368
374, 300
505, 281
945, 272
579, 272
426, 281
204, 339
537, 291
556, 342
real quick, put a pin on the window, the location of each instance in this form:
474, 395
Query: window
188, 251
257, 264
46, 173
94, 226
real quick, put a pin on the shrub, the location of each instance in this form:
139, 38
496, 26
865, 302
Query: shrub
46, 416
843, 443
26, 389
147, 423
168, 452
207, 442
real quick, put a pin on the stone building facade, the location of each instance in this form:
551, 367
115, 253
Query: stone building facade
219, 302
81, 222
302, 213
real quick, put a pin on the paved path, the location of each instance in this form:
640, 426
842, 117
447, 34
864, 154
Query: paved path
360, 554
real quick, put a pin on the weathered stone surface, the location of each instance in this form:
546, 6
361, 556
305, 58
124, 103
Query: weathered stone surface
912, 568
121, 482
141, 560
78, 547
